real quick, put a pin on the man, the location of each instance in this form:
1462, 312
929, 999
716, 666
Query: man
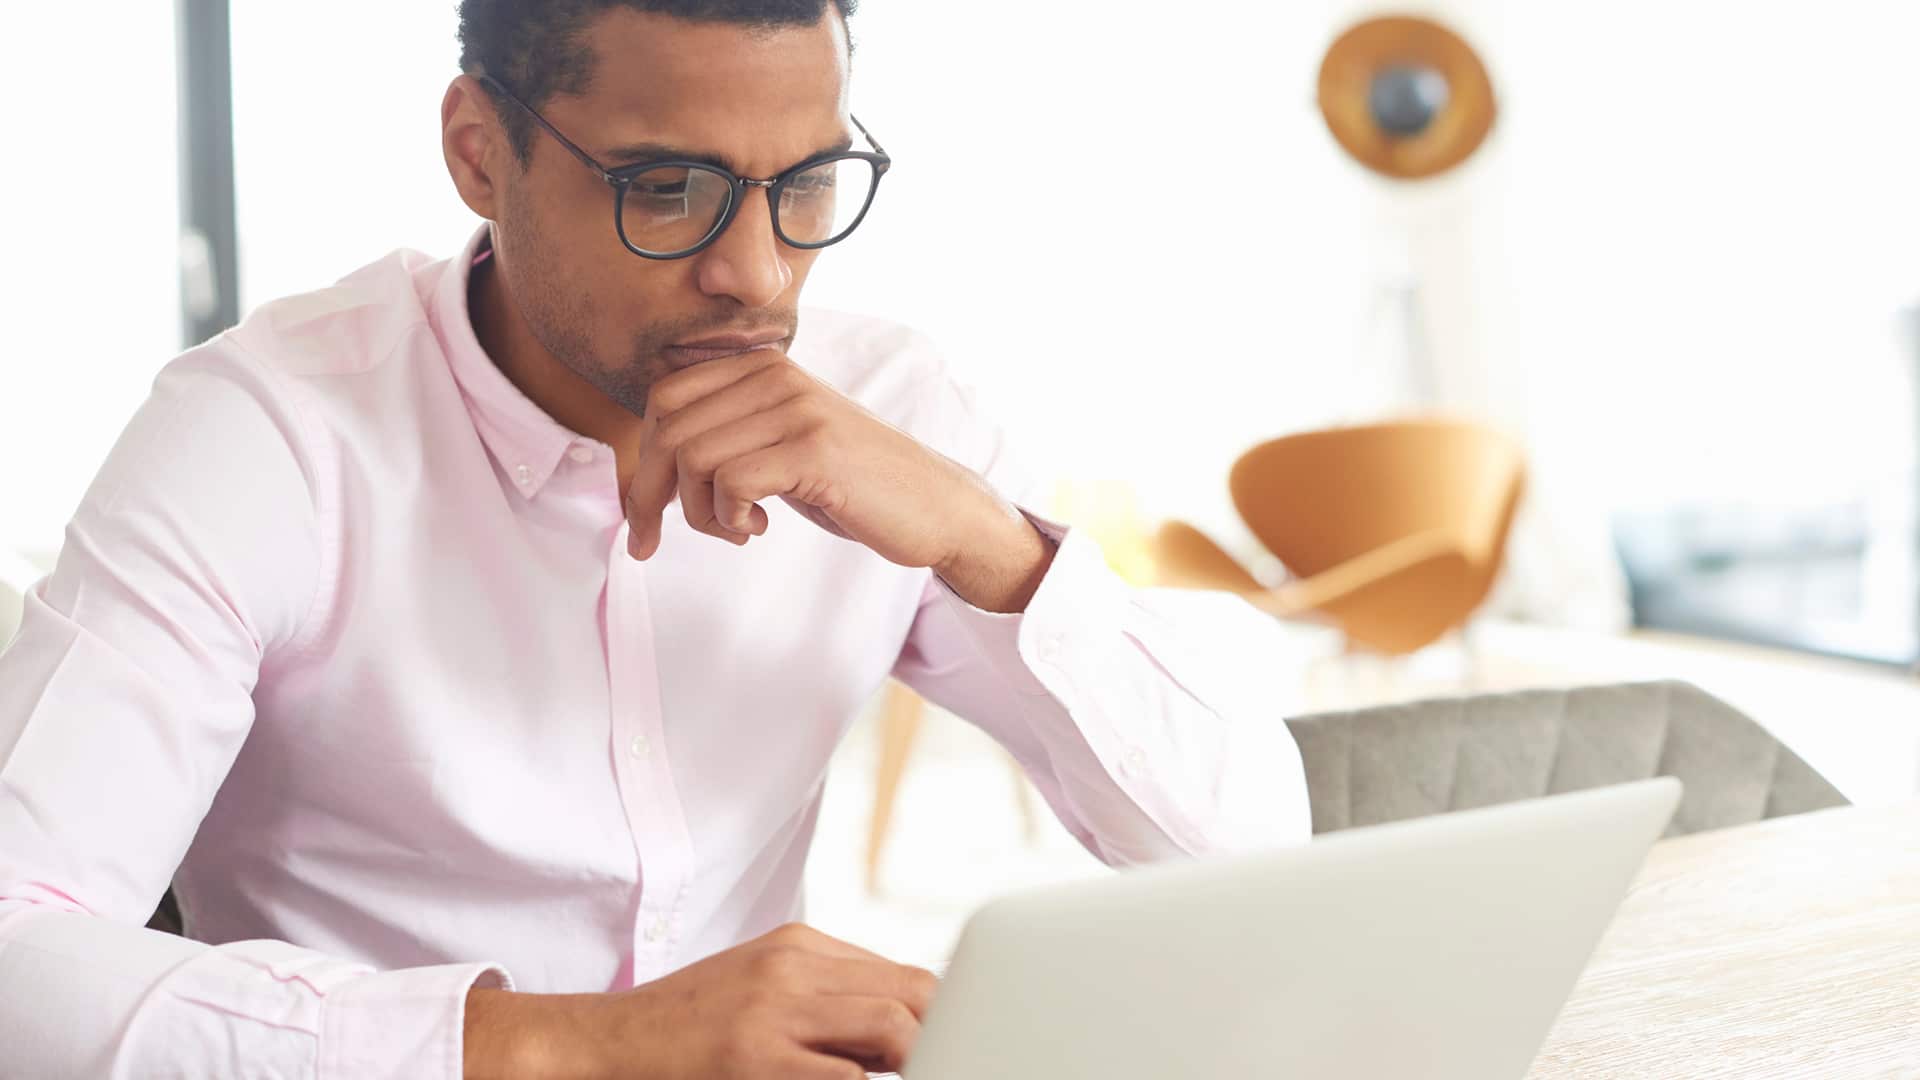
467, 642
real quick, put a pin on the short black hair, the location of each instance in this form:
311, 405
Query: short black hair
537, 48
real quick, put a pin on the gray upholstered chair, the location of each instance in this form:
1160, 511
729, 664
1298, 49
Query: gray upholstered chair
1428, 757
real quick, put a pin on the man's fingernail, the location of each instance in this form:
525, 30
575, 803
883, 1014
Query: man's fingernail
633, 544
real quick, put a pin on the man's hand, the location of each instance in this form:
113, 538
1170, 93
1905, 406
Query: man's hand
729, 433
793, 1005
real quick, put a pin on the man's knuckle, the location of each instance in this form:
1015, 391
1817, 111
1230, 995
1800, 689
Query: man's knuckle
896, 1020
661, 400
778, 966
699, 458
776, 378
809, 409
792, 375
672, 431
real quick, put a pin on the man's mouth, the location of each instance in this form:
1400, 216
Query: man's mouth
688, 353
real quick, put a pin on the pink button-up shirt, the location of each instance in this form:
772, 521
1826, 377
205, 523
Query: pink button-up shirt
345, 644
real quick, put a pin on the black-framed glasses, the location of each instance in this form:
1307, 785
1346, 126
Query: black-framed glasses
671, 209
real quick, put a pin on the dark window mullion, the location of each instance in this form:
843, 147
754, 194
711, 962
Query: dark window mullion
209, 254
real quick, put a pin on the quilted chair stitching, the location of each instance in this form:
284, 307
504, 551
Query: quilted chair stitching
1346, 746
1769, 802
1347, 820
1666, 743
1458, 727
1342, 727
1559, 727
1666, 728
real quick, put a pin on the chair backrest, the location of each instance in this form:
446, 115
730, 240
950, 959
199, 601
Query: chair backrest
1319, 498
1400, 761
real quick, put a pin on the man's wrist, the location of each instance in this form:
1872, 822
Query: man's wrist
502, 1036
1001, 570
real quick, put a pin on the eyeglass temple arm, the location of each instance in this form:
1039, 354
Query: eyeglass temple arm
875, 143
586, 159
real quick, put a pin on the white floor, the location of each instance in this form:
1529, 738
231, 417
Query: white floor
958, 838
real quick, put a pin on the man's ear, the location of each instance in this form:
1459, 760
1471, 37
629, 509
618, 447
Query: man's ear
476, 146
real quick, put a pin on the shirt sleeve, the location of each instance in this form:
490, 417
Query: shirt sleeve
1141, 715
124, 699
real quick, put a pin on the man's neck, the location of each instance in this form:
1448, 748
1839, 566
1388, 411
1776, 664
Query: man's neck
570, 400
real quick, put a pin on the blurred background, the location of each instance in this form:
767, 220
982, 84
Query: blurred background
1680, 276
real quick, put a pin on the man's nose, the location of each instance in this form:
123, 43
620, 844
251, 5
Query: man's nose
748, 262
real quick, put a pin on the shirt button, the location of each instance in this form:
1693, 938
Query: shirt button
657, 932
582, 455
639, 747
1133, 762
522, 475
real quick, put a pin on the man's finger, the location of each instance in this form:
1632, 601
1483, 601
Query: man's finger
688, 385
737, 391
871, 977
707, 508
647, 496
750, 478
761, 390
872, 1030
914, 986
809, 1065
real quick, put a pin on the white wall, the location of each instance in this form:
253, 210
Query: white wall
1708, 225
88, 293
337, 138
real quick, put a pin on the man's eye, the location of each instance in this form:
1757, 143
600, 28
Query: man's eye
810, 184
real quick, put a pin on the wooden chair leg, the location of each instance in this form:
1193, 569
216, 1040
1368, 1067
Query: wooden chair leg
900, 721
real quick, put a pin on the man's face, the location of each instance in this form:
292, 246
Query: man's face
759, 101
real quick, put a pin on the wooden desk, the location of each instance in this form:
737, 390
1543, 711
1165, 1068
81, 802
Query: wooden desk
1790, 948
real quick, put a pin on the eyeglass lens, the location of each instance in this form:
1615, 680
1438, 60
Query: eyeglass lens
673, 208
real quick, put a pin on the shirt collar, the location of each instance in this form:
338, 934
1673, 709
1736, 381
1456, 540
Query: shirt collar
525, 442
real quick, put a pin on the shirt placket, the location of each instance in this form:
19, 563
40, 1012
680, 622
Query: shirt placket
642, 769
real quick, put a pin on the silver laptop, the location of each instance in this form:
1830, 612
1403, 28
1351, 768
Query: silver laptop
1442, 947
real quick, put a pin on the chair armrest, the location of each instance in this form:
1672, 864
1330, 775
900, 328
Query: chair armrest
1186, 558
1408, 556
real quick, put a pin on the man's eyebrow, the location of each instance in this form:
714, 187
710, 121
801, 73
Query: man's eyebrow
637, 153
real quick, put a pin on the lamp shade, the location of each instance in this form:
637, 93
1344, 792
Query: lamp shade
1405, 96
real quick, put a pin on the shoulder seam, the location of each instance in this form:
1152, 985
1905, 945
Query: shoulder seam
326, 513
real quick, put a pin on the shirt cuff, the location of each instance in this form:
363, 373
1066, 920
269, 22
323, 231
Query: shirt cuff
405, 1023
1078, 600
1074, 621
